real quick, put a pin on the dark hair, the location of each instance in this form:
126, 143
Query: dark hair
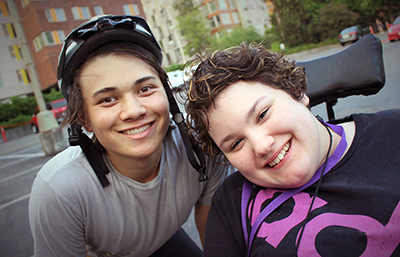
217, 71
76, 110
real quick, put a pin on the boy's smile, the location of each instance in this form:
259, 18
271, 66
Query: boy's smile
127, 107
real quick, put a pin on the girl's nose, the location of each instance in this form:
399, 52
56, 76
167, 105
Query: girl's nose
262, 145
132, 109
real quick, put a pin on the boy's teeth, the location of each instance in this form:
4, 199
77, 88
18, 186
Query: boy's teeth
280, 156
136, 130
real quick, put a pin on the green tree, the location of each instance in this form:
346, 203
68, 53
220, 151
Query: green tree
193, 27
335, 17
293, 22
236, 36
370, 10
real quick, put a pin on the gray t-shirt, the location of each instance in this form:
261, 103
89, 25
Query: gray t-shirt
71, 214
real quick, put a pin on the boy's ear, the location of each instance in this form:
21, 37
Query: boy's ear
87, 127
305, 100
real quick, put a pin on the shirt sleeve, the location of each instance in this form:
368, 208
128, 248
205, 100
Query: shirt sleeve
217, 173
56, 229
224, 233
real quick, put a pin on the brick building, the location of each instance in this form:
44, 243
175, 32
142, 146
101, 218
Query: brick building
47, 22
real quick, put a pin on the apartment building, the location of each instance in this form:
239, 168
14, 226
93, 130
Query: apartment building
47, 22
161, 17
45, 25
14, 79
227, 14
221, 15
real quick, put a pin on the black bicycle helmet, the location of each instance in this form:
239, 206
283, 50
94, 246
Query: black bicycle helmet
96, 32
93, 34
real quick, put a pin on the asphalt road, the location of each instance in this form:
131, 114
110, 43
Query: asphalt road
22, 158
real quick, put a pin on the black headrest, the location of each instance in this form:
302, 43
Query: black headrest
357, 70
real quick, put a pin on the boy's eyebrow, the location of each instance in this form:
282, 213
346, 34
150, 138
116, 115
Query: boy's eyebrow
249, 115
104, 90
109, 89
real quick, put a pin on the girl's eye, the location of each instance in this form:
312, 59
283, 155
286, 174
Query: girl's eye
235, 144
262, 114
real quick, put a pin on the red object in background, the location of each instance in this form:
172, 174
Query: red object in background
394, 30
3, 133
58, 107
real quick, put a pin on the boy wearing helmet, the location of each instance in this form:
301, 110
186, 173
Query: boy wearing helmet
129, 192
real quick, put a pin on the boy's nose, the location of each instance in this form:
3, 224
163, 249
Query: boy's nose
132, 109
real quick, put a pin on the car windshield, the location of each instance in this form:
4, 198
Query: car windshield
349, 29
59, 104
396, 21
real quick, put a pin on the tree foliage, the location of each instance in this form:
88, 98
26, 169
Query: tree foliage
297, 22
335, 17
292, 22
235, 37
24, 107
193, 27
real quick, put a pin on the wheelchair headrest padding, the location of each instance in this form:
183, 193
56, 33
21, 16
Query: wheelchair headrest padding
357, 70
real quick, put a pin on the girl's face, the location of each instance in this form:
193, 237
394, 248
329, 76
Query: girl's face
271, 138
127, 106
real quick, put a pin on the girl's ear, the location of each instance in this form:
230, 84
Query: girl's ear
305, 100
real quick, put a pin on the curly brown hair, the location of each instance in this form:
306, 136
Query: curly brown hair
215, 72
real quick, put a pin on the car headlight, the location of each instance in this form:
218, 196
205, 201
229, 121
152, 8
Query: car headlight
390, 30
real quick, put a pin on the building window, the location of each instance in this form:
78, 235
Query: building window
25, 3
131, 9
218, 20
235, 18
222, 5
98, 10
226, 18
211, 7
243, 4
81, 13
232, 5
55, 14
8, 30
15, 52
48, 38
38, 42
23, 76
3, 9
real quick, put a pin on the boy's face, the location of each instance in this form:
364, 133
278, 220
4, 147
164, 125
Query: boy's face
271, 138
127, 106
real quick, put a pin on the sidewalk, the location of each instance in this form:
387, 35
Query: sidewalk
18, 144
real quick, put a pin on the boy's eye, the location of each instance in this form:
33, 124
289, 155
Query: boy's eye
107, 100
145, 89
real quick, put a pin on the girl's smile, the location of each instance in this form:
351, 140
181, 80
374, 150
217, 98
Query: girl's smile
271, 138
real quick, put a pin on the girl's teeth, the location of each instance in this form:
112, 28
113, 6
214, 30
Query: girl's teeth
280, 156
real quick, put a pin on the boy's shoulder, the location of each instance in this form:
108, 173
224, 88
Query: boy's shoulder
71, 161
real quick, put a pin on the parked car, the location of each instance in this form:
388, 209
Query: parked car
394, 30
175, 78
352, 34
58, 108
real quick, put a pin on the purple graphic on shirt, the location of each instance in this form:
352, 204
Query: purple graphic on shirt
381, 240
